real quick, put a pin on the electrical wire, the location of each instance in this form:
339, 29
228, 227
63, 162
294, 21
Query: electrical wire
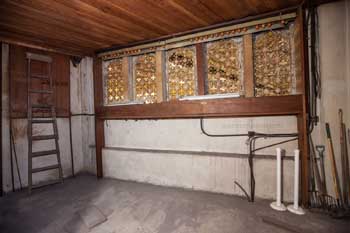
252, 137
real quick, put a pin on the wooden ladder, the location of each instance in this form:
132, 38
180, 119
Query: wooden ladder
49, 118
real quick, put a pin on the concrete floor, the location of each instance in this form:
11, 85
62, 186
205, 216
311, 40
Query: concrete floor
82, 203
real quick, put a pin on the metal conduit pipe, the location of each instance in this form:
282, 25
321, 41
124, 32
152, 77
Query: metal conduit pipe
252, 137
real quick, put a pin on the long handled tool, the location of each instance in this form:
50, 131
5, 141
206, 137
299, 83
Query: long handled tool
316, 169
344, 159
320, 149
334, 166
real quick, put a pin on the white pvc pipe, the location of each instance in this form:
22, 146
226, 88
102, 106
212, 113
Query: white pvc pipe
278, 204
296, 179
295, 207
278, 174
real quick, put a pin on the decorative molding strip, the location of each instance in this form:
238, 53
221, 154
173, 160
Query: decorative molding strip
206, 36
198, 153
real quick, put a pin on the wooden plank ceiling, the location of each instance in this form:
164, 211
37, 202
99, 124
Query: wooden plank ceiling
84, 26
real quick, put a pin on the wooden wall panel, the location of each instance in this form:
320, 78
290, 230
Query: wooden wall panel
18, 81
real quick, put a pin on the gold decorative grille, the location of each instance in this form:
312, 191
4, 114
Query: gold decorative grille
224, 67
145, 78
181, 72
116, 83
272, 63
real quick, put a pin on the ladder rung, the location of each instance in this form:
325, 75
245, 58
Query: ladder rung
46, 183
43, 153
40, 76
41, 91
42, 105
43, 137
41, 169
42, 121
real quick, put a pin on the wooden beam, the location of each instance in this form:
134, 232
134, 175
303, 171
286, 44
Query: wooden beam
44, 47
248, 65
1, 189
233, 107
302, 118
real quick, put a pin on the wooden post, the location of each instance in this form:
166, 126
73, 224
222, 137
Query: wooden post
99, 122
100, 141
302, 118
248, 65
201, 74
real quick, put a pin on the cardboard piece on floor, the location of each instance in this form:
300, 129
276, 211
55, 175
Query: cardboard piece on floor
76, 225
92, 216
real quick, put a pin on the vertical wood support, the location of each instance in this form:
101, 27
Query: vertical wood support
303, 147
201, 69
99, 123
1, 190
159, 75
302, 118
298, 41
248, 65
100, 143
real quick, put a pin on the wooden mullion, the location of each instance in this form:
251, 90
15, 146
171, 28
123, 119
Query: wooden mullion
125, 76
201, 68
248, 65
159, 75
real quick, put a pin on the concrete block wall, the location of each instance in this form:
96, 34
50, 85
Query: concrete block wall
126, 156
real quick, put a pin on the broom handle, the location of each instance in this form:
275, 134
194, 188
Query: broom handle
334, 166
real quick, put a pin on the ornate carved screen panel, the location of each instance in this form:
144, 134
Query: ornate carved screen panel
181, 72
145, 80
273, 61
116, 82
224, 63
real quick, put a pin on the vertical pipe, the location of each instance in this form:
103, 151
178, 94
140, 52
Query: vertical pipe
278, 174
278, 205
295, 207
296, 179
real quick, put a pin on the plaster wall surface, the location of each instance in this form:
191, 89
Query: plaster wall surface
334, 50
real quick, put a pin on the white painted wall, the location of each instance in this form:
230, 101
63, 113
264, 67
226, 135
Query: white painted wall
334, 31
83, 122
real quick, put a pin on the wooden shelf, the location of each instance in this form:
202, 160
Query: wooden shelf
232, 107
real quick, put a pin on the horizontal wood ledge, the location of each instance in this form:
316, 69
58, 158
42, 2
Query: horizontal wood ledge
233, 107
